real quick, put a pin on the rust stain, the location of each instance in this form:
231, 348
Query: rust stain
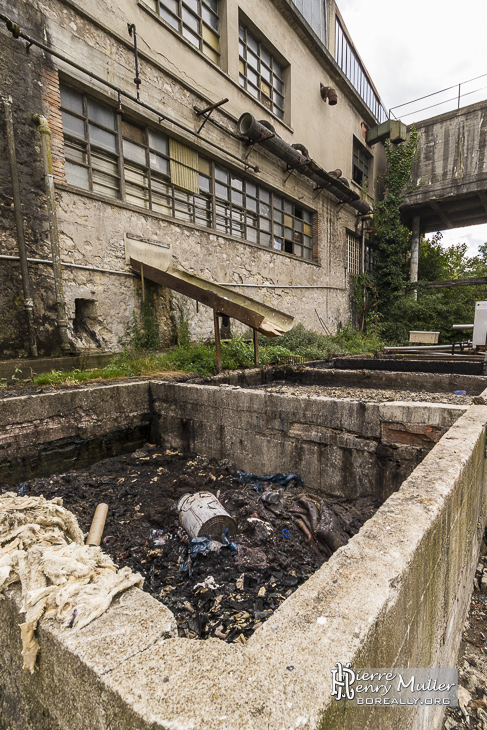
411, 434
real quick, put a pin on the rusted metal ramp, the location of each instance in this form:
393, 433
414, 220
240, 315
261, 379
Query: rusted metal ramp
153, 261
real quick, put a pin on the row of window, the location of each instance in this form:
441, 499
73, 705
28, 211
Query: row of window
259, 71
348, 61
109, 154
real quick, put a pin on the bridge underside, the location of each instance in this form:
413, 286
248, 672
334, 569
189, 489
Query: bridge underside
449, 177
453, 211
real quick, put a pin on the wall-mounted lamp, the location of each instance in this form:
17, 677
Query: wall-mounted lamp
329, 94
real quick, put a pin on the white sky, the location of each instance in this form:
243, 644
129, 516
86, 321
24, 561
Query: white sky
419, 47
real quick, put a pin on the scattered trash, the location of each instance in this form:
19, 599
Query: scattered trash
258, 482
209, 582
286, 534
75, 613
97, 525
23, 490
290, 668
460, 392
229, 544
158, 537
203, 514
217, 592
46, 537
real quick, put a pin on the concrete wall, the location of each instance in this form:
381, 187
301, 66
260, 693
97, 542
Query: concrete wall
396, 595
175, 78
449, 178
343, 448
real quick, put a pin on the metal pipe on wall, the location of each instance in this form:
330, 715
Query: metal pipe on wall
26, 287
257, 133
43, 126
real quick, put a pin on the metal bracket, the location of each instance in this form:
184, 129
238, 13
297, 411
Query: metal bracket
206, 113
290, 168
137, 79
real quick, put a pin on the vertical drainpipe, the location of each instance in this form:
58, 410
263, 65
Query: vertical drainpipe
24, 269
415, 252
43, 127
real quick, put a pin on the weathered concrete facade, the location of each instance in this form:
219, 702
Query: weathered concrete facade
450, 173
175, 78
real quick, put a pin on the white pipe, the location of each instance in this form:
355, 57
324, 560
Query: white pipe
68, 265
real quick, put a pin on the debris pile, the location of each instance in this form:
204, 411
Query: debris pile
42, 547
221, 585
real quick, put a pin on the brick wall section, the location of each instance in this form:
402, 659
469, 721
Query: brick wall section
52, 100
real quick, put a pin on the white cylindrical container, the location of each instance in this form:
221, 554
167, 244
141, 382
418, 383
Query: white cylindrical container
202, 515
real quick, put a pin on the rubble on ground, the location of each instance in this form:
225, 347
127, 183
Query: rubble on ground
373, 395
285, 533
472, 664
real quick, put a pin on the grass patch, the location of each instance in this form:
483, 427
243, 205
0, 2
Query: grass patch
199, 358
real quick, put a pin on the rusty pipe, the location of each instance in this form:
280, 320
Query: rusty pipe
24, 268
43, 127
258, 132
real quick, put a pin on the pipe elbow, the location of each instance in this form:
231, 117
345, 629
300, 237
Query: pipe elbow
41, 122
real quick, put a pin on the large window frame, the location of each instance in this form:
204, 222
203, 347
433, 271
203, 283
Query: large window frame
361, 164
196, 20
155, 172
353, 69
314, 12
260, 73
354, 258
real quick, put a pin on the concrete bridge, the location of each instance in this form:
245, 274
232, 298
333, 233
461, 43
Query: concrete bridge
450, 174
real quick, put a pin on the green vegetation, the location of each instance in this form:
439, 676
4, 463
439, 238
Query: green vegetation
199, 358
438, 309
385, 300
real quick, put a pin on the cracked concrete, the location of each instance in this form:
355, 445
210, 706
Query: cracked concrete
395, 595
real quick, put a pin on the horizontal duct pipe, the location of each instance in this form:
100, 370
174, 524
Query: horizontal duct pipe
295, 157
67, 264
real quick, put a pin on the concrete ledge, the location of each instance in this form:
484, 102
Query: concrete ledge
396, 595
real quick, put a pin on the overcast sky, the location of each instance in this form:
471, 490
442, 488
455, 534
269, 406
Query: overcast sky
418, 47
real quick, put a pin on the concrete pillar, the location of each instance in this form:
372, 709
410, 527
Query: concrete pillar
415, 251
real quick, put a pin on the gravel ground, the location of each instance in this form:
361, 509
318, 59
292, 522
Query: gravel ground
472, 661
373, 395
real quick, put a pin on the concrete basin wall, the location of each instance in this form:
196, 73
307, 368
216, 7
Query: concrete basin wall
396, 595
342, 448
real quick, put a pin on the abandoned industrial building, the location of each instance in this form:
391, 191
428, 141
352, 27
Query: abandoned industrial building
233, 134
185, 550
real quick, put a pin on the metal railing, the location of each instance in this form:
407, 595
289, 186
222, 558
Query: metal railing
458, 97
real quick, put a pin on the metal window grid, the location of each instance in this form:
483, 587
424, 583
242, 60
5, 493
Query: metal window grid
196, 20
353, 254
260, 73
349, 62
226, 201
